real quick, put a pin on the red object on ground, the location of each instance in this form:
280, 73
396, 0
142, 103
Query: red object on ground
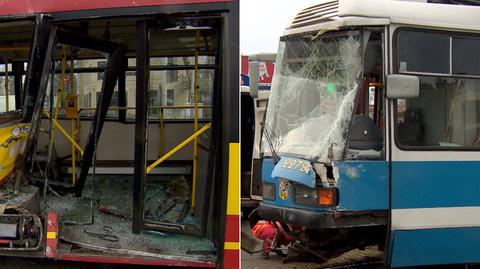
267, 231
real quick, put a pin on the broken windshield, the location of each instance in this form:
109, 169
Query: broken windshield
313, 96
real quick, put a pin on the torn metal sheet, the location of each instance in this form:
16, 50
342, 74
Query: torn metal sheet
296, 170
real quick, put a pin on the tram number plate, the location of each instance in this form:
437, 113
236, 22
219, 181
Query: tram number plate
299, 165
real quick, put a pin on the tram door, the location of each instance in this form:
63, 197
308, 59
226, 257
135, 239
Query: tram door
435, 144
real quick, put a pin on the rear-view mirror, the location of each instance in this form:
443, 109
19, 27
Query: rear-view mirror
402, 86
254, 75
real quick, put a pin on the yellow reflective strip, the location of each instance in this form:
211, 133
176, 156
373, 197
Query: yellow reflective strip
233, 200
232, 245
51, 235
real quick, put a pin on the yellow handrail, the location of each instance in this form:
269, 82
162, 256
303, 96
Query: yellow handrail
195, 122
150, 107
65, 133
178, 147
60, 90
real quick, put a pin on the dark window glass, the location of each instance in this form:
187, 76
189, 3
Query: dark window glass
423, 52
170, 97
466, 56
101, 64
445, 115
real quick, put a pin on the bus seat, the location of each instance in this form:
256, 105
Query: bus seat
364, 134
411, 130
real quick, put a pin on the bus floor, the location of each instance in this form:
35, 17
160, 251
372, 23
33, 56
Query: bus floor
100, 222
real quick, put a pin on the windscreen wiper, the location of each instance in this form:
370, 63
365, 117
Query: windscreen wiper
275, 156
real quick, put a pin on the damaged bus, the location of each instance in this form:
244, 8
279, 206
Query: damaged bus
119, 132
372, 132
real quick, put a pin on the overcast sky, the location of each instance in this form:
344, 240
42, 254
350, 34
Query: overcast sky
263, 21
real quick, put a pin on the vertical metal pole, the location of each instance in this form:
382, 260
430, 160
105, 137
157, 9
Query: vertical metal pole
33, 104
62, 83
32, 93
6, 87
141, 126
195, 123
162, 133
215, 141
108, 85
122, 98
17, 69
72, 121
59, 92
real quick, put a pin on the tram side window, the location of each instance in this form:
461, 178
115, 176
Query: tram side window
366, 133
446, 114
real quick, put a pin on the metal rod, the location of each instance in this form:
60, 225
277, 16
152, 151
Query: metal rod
57, 125
179, 147
150, 107
152, 68
14, 49
18, 71
195, 122
74, 172
62, 82
60, 90
122, 95
162, 133
72, 121
6, 86
36, 82
141, 127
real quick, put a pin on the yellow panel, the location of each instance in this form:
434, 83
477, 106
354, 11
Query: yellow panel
12, 143
232, 245
233, 200
51, 235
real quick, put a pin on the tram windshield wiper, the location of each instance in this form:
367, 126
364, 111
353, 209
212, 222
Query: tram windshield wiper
265, 130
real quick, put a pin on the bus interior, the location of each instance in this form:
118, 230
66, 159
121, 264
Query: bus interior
109, 126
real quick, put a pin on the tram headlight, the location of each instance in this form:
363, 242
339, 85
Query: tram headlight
305, 196
314, 197
268, 191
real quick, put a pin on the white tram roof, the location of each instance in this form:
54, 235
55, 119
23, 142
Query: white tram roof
335, 14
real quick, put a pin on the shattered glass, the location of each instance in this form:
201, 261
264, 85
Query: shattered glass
313, 96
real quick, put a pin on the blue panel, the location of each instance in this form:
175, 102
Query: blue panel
302, 174
435, 184
363, 185
267, 169
245, 79
436, 246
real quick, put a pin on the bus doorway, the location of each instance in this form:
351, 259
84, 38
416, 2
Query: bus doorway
121, 125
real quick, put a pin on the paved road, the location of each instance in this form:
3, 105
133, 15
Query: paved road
255, 262
250, 261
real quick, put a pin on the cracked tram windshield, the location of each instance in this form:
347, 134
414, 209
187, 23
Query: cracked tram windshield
313, 95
